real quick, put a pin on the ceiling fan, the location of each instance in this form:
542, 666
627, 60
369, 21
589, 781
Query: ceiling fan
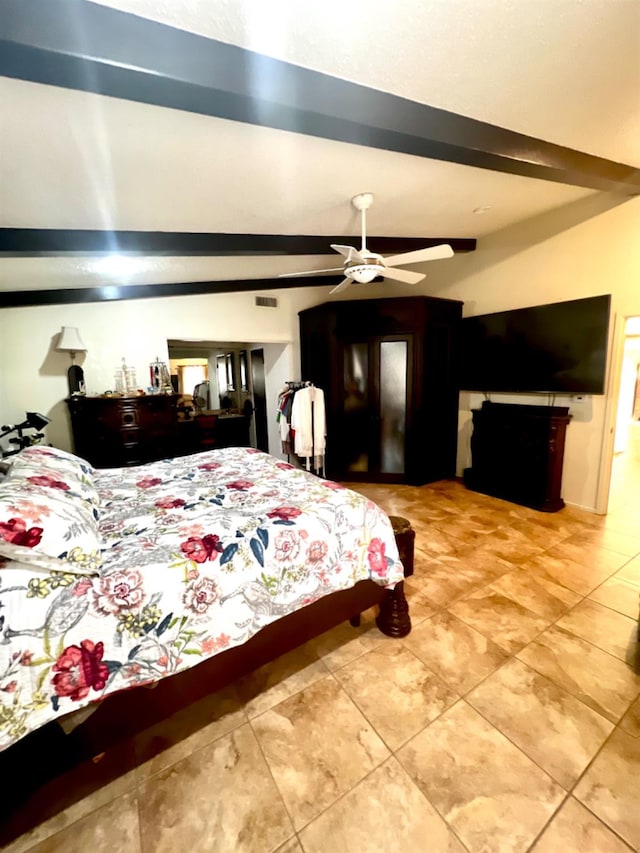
363, 266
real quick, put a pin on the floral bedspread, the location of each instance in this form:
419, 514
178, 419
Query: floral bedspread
199, 553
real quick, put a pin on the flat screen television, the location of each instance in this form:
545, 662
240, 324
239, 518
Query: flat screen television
560, 348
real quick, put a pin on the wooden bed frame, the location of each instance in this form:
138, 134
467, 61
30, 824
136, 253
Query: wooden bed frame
99, 749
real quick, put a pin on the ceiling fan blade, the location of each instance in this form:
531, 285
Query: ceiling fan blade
403, 275
310, 272
350, 253
434, 253
344, 283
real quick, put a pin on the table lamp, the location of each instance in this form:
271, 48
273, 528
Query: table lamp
71, 342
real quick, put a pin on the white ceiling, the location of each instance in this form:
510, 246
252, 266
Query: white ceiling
567, 71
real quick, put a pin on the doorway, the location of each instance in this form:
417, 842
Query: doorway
215, 376
259, 398
624, 491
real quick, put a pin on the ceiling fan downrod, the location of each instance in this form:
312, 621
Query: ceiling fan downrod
363, 202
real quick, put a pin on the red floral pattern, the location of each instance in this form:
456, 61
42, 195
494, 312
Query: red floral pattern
376, 556
241, 485
79, 669
286, 513
170, 503
51, 482
202, 549
148, 482
15, 531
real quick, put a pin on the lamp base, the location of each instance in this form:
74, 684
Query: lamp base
75, 375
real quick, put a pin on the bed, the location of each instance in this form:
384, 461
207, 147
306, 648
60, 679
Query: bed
117, 579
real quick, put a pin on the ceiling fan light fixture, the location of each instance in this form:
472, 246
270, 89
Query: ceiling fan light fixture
363, 273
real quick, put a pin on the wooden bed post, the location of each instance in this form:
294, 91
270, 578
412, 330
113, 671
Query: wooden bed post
393, 619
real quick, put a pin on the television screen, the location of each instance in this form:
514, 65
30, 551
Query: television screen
559, 348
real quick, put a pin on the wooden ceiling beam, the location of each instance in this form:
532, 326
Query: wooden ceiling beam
116, 293
29, 242
88, 47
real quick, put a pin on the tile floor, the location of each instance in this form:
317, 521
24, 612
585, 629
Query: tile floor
508, 720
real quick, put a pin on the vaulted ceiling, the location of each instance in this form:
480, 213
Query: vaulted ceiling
117, 124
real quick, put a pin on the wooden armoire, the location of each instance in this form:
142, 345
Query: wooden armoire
388, 370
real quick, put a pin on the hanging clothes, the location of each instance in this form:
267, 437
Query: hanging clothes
285, 403
308, 422
303, 433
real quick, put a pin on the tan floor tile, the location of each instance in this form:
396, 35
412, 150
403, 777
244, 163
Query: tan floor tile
557, 522
290, 846
490, 793
456, 652
605, 628
396, 692
188, 730
384, 812
317, 745
625, 543
421, 605
621, 520
579, 577
553, 728
283, 677
631, 720
574, 828
472, 524
542, 597
539, 534
619, 594
599, 680
485, 564
220, 798
423, 517
503, 620
611, 786
444, 581
511, 545
435, 543
467, 528
630, 571
344, 643
111, 827
601, 559
100, 797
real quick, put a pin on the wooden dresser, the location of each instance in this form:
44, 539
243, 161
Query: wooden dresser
111, 432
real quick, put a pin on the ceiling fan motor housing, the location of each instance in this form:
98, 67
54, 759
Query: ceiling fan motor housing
364, 273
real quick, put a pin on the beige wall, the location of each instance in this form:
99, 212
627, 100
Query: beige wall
33, 374
584, 249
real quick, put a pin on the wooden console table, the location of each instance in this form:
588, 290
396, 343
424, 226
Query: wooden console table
517, 453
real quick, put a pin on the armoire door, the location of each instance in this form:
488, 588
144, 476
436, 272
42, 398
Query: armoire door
374, 412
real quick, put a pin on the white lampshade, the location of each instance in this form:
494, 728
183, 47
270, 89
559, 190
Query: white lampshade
70, 340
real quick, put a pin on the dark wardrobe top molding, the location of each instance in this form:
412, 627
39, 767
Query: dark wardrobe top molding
85, 46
